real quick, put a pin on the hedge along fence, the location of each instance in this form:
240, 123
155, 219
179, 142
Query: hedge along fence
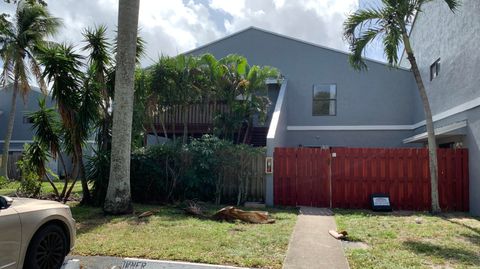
206, 169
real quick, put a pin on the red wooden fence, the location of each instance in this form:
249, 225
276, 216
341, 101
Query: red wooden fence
300, 177
346, 177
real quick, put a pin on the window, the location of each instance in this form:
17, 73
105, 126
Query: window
27, 120
434, 69
324, 100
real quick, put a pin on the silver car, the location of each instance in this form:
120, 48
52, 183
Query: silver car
34, 234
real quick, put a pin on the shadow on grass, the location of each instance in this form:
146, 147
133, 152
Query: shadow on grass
453, 220
473, 238
463, 256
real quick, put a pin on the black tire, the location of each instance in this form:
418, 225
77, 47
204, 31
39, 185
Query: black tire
47, 249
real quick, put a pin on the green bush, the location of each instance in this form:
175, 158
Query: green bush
3, 181
177, 172
30, 185
202, 177
97, 170
194, 171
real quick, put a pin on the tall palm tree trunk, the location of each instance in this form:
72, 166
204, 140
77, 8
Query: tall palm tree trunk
432, 143
8, 135
118, 198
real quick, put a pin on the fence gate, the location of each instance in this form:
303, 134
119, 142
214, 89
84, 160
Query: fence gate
346, 177
302, 177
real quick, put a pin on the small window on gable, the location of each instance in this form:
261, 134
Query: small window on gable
434, 69
324, 100
27, 120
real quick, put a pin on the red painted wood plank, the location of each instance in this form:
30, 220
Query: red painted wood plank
466, 200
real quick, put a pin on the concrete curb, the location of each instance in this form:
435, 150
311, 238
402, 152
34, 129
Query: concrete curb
103, 262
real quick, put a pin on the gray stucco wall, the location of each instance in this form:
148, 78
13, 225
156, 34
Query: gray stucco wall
277, 136
454, 38
381, 96
364, 139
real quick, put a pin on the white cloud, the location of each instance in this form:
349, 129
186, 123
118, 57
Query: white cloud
174, 26
318, 21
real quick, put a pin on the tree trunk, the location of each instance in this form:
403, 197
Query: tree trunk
247, 132
154, 130
118, 198
8, 135
162, 122
185, 124
55, 190
432, 144
86, 197
65, 182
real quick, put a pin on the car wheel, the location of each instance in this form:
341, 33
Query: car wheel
47, 249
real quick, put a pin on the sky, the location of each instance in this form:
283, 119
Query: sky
171, 27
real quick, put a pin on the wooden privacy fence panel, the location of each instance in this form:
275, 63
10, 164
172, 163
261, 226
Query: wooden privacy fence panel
351, 175
253, 178
13, 171
301, 177
358, 173
403, 174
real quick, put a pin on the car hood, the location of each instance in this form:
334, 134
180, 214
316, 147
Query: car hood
25, 205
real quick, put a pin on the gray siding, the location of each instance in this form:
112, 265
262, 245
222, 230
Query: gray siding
454, 38
381, 96
304, 65
363, 139
21, 130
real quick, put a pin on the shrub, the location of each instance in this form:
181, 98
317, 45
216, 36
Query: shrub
30, 185
156, 173
3, 181
209, 155
97, 170
195, 171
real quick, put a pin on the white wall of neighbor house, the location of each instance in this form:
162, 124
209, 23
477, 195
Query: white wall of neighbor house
454, 94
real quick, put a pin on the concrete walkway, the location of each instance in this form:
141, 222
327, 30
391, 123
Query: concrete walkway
311, 246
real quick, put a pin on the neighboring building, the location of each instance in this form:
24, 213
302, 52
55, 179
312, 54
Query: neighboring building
323, 101
22, 129
446, 46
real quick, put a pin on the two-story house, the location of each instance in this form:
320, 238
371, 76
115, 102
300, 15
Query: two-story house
323, 101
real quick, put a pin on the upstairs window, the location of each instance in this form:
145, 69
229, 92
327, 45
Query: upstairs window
324, 100
434, 69
27, 120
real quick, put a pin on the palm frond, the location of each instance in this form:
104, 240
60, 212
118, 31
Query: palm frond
47, 127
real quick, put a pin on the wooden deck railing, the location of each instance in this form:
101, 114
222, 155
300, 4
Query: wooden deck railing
195, 114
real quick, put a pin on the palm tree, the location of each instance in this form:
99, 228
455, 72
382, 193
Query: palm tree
47, 136
390, 22
100, 60
118, 199
77, 105
19, 43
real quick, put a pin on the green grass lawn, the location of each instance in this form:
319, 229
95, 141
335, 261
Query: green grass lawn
11, 187
398, 241
172, 235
